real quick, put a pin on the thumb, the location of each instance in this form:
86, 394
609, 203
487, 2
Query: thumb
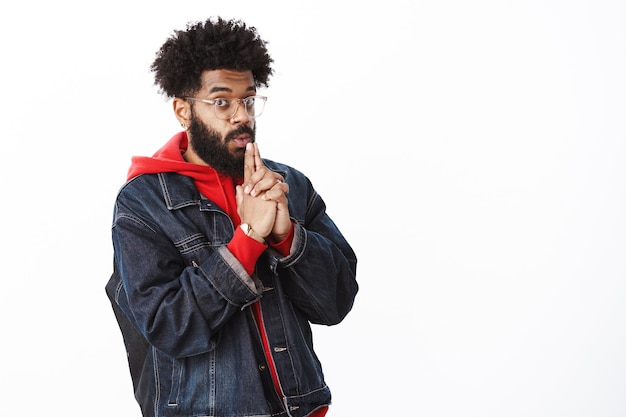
239, 198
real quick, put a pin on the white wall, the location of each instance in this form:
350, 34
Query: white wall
472, 152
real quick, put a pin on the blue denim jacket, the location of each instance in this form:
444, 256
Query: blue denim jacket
181, 300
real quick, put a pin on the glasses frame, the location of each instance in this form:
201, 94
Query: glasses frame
237, 100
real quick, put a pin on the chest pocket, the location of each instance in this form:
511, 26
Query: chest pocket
201, 230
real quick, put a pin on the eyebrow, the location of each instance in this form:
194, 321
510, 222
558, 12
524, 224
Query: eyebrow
228, 90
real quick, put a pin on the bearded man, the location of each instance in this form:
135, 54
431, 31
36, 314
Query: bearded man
222, 259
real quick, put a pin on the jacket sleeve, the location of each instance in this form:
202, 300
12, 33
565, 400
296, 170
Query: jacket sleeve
319, 274
177, 302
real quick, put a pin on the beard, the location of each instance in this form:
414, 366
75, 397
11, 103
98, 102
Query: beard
208, 144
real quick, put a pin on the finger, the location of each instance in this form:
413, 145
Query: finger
276, 194
283, 186
255, 163
264, 179
238, 194
239, 199
249, 165
258, 162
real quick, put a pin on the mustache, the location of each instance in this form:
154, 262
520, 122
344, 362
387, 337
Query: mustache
243, 129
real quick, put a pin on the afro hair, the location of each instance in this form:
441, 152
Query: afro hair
213, 44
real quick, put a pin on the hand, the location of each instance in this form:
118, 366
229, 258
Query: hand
261, 200
274, 188
282, 222
257, 178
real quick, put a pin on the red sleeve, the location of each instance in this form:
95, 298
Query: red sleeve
320, 412
246, 249
283, 247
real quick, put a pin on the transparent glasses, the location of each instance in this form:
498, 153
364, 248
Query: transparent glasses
225, 108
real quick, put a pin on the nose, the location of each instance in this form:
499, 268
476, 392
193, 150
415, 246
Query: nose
241, 115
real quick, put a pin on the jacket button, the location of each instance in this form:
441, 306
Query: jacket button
262, 367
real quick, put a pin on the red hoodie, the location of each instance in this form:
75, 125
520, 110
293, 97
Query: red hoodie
219, 188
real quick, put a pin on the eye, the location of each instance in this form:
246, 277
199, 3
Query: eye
221, 102
249, 101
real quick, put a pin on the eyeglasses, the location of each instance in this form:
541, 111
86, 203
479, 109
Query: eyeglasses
226, 108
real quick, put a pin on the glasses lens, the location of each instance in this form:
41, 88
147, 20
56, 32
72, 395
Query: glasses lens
254, 105
225, 109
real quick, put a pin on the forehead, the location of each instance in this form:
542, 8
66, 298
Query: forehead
221, 80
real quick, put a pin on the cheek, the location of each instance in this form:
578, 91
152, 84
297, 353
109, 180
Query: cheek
221, 129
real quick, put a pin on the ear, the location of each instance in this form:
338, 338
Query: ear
182, 111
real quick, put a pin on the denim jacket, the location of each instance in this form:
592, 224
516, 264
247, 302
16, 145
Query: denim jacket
182, 301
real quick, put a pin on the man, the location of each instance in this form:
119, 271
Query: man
223, 259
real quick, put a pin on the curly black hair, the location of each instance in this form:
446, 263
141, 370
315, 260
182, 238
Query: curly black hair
213, 44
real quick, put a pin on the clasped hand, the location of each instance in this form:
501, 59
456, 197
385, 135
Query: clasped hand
262, 198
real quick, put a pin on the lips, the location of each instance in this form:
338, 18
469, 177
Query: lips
241, 140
